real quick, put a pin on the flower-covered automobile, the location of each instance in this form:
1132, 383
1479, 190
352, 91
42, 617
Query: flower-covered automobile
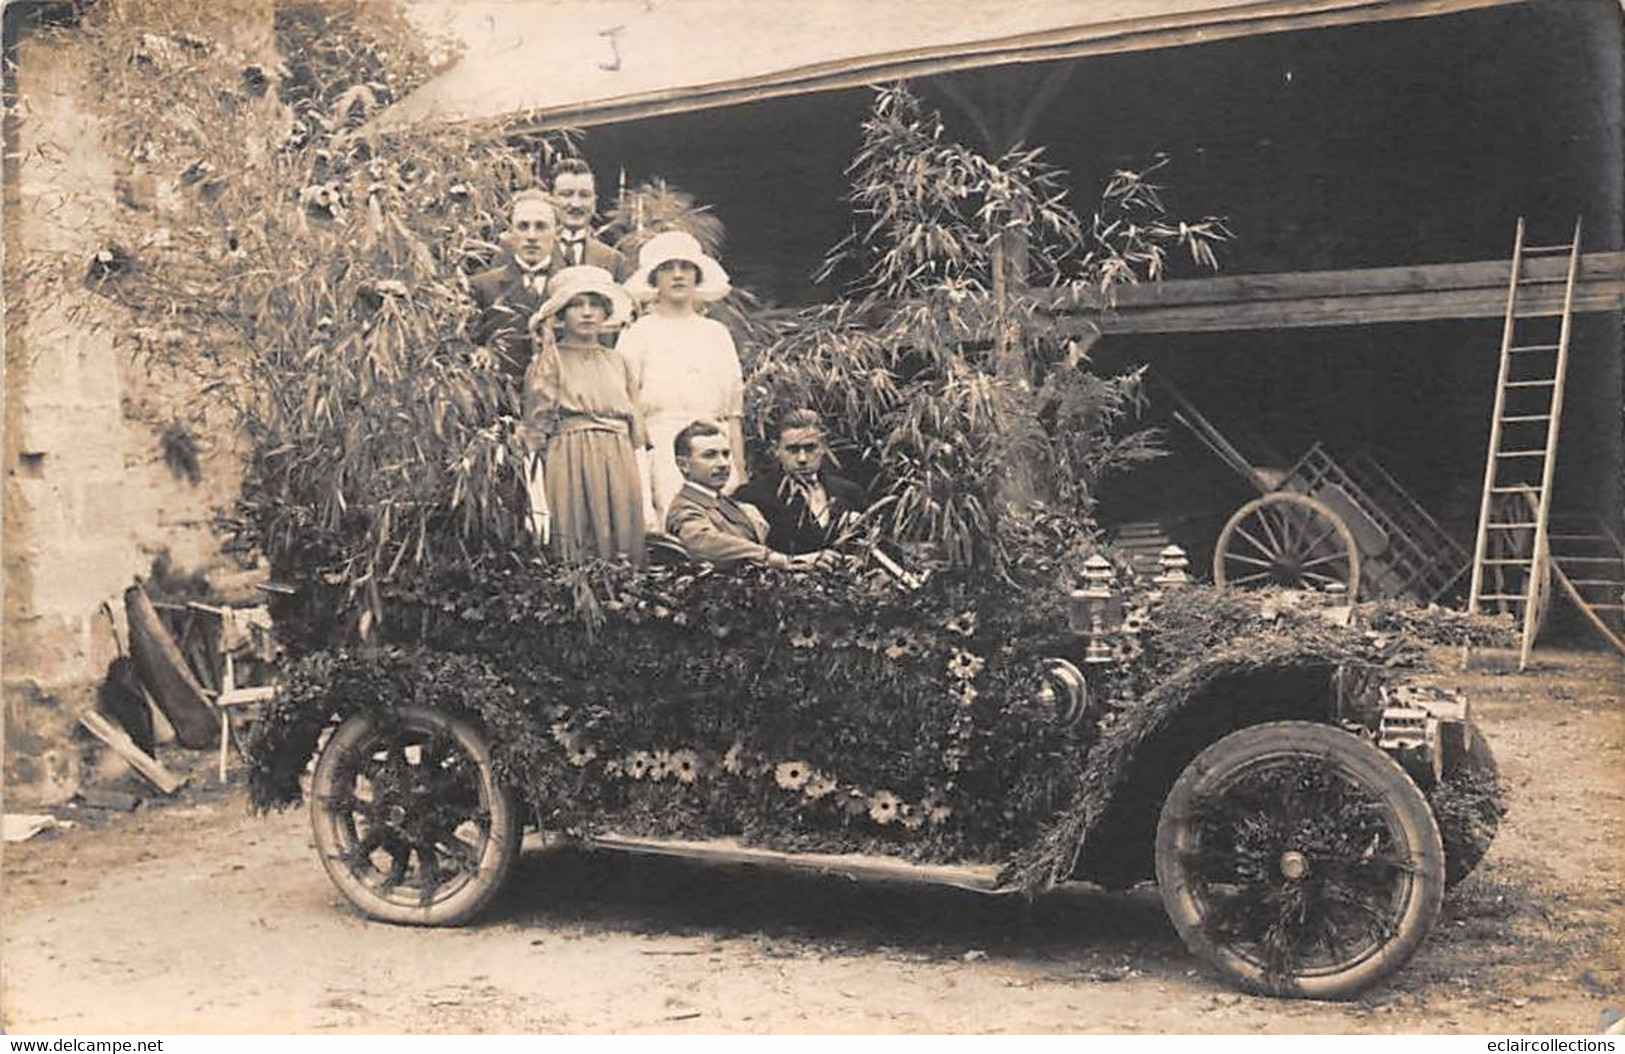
1266, 758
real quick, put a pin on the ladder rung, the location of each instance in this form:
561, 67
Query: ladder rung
1510, 526
1527, 417
1504, 596
1531, 384
1521, 453
1525, 562
1527, 249
1536, 347
1522, 488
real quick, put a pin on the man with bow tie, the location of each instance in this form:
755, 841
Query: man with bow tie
508, 294
710, 525
806, 506
575, 196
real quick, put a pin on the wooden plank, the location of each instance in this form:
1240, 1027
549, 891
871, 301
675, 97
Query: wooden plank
1338, 311
1072, 42
121, 744
1605, 270
1345, 298
975, 877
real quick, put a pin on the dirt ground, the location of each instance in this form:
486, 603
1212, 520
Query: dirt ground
196, 917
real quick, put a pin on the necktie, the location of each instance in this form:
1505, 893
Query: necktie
535, 281
575, 250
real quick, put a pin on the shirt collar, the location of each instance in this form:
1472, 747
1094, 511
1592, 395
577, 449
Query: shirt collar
703, 489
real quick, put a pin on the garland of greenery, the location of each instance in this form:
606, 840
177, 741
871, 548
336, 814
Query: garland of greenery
829, 713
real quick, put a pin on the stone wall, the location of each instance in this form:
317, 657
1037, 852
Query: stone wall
89, 497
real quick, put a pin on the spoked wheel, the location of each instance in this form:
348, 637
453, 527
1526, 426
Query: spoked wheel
409, 820
1288, 540
1299, 861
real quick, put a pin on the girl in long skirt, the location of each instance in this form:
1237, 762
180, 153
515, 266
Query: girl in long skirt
587, 438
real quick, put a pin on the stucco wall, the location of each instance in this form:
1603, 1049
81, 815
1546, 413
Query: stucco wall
89, 499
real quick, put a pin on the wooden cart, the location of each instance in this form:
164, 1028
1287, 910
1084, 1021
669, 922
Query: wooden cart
1320, 524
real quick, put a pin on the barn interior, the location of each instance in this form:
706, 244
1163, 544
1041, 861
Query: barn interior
1410, 142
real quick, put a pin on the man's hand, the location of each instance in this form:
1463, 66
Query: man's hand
822, 560
541, 525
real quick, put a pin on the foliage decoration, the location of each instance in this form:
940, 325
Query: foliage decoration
306, 277
828, 713
945, 374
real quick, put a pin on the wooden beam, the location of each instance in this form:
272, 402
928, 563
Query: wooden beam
1346, 298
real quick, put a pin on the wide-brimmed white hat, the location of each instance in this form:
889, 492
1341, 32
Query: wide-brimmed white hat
571, 282
677, 245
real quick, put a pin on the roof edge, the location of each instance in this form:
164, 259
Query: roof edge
1142, 34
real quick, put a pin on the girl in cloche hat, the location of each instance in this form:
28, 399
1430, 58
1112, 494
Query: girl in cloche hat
588, 444
684, 365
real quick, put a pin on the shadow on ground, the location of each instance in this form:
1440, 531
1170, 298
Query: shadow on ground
834, 915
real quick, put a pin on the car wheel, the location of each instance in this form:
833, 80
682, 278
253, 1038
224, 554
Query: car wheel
1299, 860
409, 819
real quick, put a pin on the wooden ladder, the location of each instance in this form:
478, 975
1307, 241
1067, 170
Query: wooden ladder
1512, 539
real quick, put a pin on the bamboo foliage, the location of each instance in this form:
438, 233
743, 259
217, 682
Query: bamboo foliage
939, 369
308, 277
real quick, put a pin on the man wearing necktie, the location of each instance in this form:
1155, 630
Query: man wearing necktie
712, 526
575, 195
805, 505
508, 294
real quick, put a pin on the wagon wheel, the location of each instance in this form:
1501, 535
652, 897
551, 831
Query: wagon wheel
409, 820
1299, 860
1288, 540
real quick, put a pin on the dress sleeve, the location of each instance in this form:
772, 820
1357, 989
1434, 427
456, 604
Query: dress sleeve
541, 394
731, 398
640, 431
629, 345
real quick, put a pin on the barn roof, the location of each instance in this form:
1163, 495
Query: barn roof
552, 63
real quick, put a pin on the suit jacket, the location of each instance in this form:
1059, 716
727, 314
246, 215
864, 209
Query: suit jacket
791, 526
505, 306
597, 254
714, 527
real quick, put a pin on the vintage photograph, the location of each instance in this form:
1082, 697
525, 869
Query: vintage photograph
713, 517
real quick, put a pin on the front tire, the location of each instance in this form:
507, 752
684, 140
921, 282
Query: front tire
1299, 860
408, 818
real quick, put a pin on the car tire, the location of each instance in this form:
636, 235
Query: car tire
1299, 860
409, 820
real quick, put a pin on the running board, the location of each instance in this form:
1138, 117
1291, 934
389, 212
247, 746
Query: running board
978, 878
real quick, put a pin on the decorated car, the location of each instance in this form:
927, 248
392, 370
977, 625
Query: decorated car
1272, 760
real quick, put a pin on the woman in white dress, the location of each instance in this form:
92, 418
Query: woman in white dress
684, 366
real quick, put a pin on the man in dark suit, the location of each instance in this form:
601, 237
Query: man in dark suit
709, 524
508, 294
805, 505
575, 196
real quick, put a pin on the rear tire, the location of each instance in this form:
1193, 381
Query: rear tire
1299, 860
409, 820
